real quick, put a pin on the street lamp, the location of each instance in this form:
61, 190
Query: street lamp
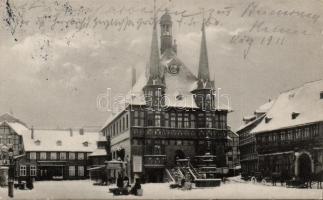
11, 173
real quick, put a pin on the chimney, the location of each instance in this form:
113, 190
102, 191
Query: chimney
32, 132
71, 132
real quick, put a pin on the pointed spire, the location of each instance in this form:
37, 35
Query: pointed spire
203, 72
154, 51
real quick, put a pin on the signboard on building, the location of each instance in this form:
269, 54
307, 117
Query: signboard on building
137, 163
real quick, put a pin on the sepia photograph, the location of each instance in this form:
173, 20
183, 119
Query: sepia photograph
161, 99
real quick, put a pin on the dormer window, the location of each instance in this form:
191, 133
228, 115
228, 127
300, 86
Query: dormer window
295, 115
267, 119
59, 143
321, 95
37, 142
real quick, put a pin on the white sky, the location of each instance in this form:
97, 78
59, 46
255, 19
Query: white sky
52, 75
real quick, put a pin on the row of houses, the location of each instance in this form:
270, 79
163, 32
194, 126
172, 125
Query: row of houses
285, 135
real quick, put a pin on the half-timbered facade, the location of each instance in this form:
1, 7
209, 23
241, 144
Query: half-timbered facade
44, 153
169, 113
247, 140
290, 137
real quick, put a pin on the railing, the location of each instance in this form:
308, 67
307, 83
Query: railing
170, 175
182, 133
194, 172
151, 150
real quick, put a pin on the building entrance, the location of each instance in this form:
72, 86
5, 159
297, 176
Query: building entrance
154, 175
305, 167
50, 172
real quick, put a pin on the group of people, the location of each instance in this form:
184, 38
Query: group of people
123, 183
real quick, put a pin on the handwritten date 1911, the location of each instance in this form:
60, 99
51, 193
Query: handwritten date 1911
250, 41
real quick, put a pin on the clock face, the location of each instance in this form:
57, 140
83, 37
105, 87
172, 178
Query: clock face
173, 69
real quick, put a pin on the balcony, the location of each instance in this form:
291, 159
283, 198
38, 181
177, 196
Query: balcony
155, 161
178, 133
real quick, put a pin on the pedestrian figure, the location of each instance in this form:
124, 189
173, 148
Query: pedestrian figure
119, 181
182, 182
136, 187
126, 182
29, 183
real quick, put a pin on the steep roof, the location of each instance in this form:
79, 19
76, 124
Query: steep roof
304, 101
155, 70
168, 70
19, 128
11, 119
60, 140
265, 107
258, 115
203, 72
178, 84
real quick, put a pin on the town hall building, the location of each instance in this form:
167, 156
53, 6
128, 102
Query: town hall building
170, 114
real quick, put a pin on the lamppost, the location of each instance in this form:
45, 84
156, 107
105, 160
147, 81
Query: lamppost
11, 173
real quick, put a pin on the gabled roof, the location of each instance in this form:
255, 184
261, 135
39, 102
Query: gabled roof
254, 121
304, 100
11, 119
259, 114
265, 107
20, 129
48, 140
180, 83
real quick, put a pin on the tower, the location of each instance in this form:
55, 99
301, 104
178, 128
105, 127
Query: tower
154, 89
166, 36
203, 93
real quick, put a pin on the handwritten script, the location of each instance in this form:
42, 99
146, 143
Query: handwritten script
257, 26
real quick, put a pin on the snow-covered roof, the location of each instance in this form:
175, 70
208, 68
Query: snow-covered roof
99, 152
181, 83
19, 128
178, 87
304, 100
60, 140
9, 118
257, 116
255, 120
265, 107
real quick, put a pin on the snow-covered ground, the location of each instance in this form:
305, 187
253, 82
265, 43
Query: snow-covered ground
230, 190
